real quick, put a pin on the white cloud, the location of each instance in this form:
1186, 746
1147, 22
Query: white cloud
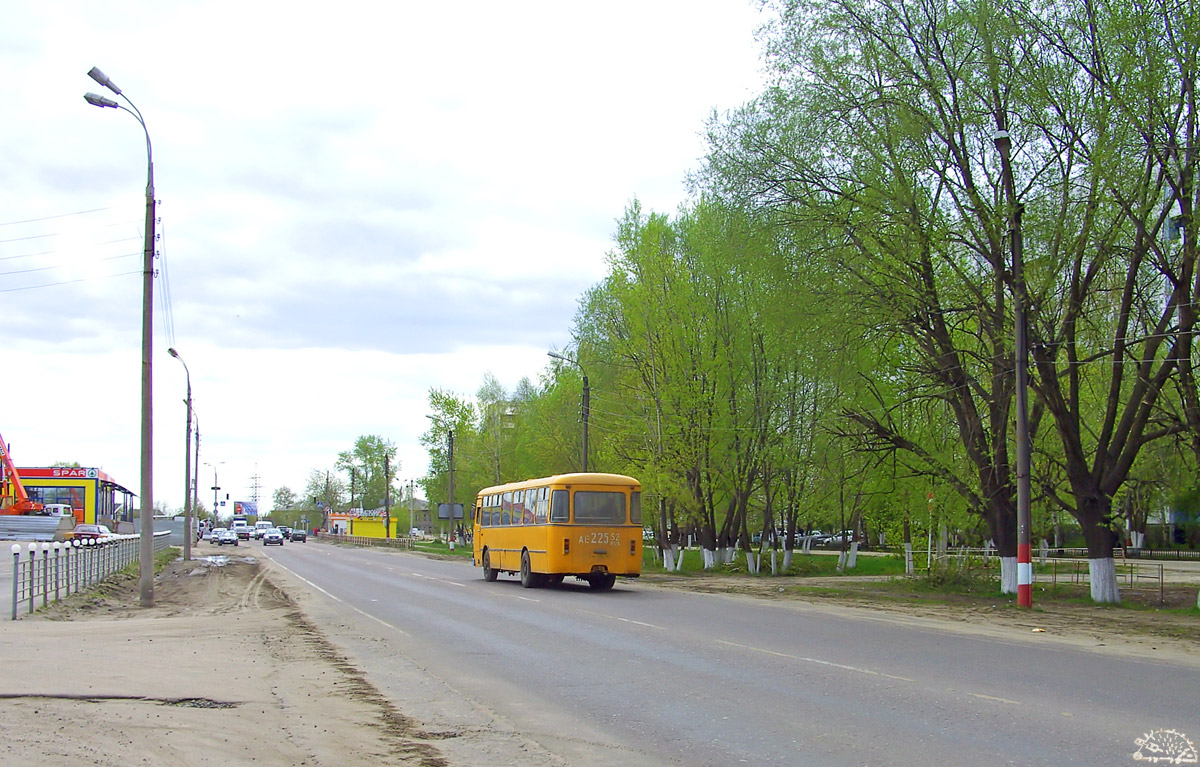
358, 202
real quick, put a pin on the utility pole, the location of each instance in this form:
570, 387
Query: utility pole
387, 497
451, 442
196, 477
1024, 544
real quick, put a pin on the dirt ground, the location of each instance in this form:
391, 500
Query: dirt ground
226, 669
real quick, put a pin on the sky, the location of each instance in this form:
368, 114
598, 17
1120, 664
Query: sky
357, 204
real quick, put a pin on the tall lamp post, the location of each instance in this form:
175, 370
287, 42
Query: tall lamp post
187, 464
587, 396
146, 542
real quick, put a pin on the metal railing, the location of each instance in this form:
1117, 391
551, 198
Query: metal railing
53, 571
404, 542
1055, 566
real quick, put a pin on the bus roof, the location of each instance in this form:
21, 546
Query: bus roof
574, 478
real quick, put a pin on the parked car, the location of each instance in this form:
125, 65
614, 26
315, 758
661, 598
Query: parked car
299, 535
83, 532
226, 536
415, 533
272, 536
837, 539
212, 535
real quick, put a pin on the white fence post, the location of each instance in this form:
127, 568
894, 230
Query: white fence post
16, 552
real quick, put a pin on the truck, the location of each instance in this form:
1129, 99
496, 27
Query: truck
240, 527
21, 517
13, 498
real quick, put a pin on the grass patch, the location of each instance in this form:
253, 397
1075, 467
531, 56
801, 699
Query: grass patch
442, 548
816, 564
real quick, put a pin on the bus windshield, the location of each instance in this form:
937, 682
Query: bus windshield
599, 508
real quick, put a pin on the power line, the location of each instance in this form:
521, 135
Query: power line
51, 218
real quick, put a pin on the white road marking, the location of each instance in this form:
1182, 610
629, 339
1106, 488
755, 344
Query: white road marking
639, 623
994, 698
342, 601
818, 661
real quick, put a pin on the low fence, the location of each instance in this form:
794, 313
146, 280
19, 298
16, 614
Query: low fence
52, 571
404, 543
1056, 566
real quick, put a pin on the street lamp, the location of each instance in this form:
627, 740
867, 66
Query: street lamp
146, 542
587, 396
187, 463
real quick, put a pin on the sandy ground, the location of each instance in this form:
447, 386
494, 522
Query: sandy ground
224, 669
227, 669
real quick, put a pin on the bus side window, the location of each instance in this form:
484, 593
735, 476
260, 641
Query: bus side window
635, 507
543, 504
559, 511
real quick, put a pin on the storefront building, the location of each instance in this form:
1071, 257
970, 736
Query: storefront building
95, 497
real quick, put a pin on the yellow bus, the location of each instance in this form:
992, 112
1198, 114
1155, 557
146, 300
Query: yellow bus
588, 526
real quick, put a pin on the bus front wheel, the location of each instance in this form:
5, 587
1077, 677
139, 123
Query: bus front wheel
529, 579
489, 574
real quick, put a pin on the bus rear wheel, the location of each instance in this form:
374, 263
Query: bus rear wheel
489, 574
529, 579
602, 582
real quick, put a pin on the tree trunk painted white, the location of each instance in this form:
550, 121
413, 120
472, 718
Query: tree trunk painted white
908, 559
807, 547
787, 560
1008, 575
1137, 540
1044, 550
852, 559
710, 558
841, 566
1103, 573
669, 559
774, 562
752, 561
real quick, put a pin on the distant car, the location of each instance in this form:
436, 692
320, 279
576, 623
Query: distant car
84, 532
287, 531
226, 536
272, 536
838, 539
415, 533
212, 535
299, 535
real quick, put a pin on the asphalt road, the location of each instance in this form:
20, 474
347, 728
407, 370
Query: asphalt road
647, 676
